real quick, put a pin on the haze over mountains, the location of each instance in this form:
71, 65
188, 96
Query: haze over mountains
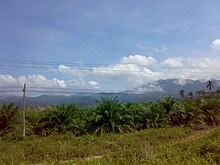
148, 92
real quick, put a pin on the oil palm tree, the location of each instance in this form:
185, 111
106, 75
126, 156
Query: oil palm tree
63, 118
156, 116
138, 113
109, 116
167, 103
211, 110
33, 120
186, 113
9, 118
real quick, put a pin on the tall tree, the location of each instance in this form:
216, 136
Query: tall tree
210, 85
200, 93
182, 93
218, 90
190, 94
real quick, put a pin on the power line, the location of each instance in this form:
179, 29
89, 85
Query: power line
111, 68
87, 46
77, 64
85, 92
9, 89
12, 87
122, 69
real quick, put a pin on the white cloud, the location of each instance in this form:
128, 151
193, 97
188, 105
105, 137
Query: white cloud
61, 83
132, 68
181, 82
204, 62
172, 62
123, 72
76, 83
150, 87
215, 44
78, 71
138, 60
33, 80
135, 70
123, 75
7, 80
64, 68
41, 83
94, 84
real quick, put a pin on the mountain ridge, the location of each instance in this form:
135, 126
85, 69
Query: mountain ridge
148, 92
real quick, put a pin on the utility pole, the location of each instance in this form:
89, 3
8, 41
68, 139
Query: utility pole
24, 107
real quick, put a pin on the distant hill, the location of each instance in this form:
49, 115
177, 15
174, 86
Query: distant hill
148, 92
173, 86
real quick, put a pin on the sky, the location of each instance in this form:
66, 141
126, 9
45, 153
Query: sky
107, 45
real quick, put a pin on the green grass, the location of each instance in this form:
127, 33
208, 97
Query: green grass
152, 146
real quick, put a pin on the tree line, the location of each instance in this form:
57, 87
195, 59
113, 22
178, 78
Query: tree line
111, 116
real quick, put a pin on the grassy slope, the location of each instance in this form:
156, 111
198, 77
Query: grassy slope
153, 146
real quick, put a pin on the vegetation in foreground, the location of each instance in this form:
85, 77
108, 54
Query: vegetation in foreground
128, 126
152, 146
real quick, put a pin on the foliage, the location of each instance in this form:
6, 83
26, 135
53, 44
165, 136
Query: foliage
60, 128
210, 85
186, 113
9, 118
109, 116
156, 116
138, 115
211, 109
167, 103
149, 115
182, 93
33, 120
61, 119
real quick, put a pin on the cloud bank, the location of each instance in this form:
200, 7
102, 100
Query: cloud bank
139, 69
131, 71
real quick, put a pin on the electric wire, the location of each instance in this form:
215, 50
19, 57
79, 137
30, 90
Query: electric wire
101, 67
9, 63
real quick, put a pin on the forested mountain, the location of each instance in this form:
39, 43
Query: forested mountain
147, 92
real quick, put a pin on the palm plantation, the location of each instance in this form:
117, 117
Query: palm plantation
62, 118
109, 116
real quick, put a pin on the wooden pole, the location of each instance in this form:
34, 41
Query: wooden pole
24, 107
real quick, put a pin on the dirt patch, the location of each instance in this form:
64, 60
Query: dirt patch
196, 135
94, 157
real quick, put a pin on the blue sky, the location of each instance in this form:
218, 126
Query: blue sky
107, 45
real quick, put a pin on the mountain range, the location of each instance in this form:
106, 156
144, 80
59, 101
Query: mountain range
148, 92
